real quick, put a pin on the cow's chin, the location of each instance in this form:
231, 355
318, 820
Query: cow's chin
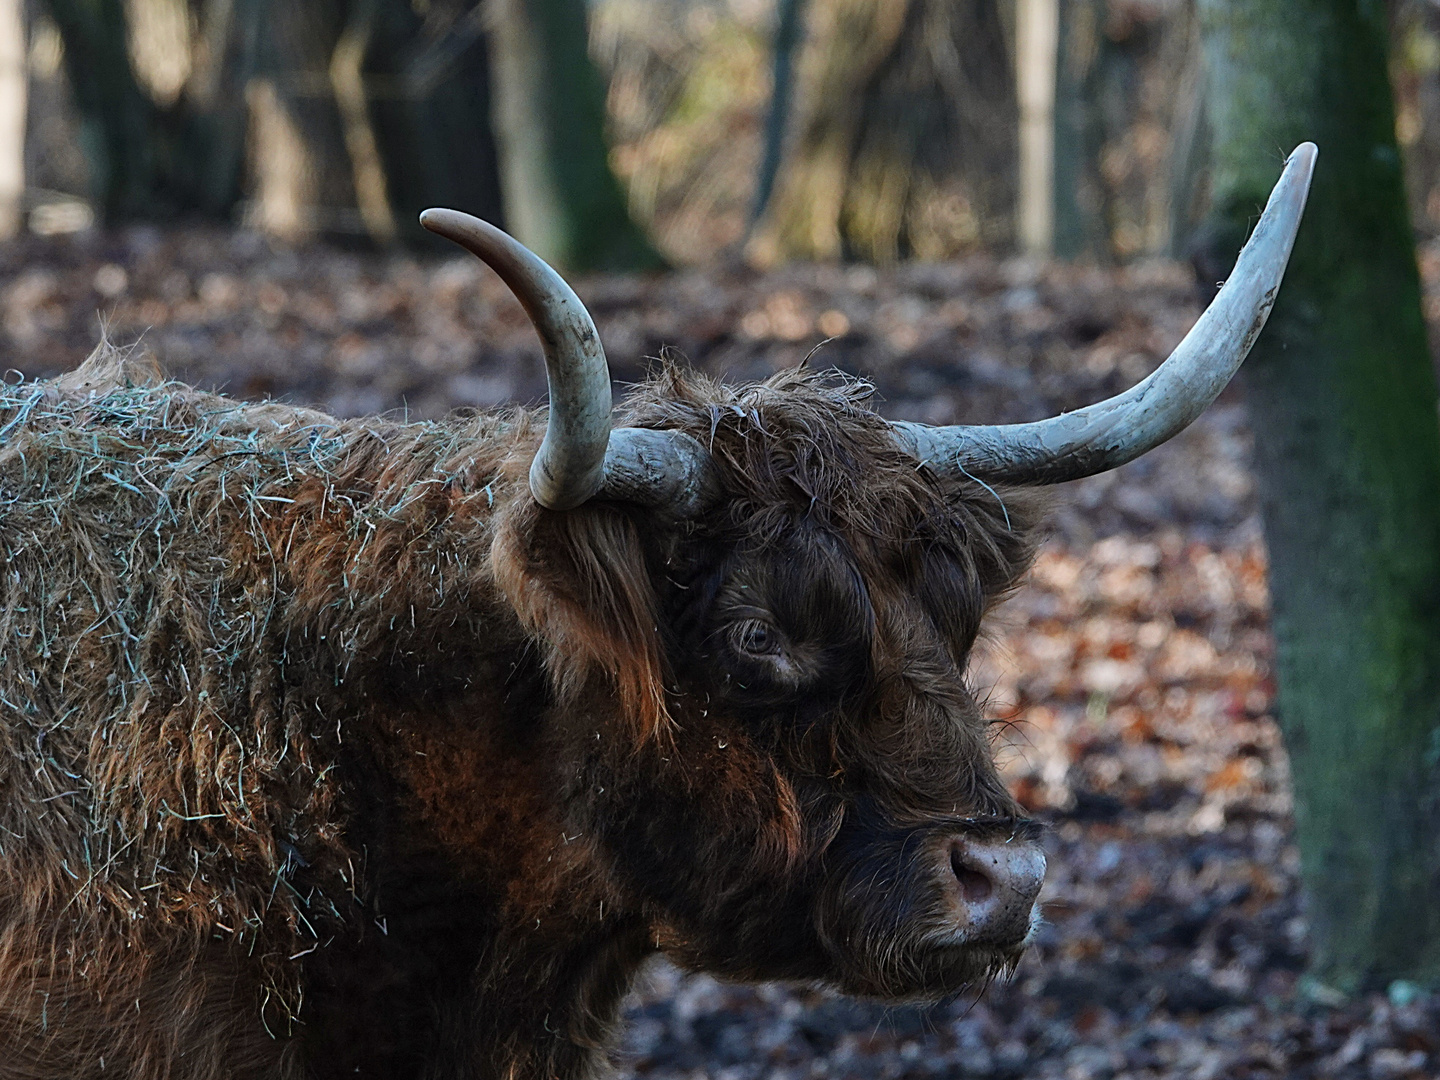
890, 963
924, 973
901, 954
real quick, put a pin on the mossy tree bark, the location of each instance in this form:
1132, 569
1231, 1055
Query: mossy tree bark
561, 199
1344, 400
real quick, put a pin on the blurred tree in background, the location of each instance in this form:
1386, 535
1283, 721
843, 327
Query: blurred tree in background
364, 113
688, 88
905, 140
562, 199
165, 136
691, 115
789, 16
1130, 142
14, 100
1349, 460
896, 137
356, 114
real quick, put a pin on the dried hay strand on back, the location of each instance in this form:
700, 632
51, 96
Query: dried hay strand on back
193, 589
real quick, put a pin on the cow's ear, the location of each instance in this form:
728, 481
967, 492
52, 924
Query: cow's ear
578, 581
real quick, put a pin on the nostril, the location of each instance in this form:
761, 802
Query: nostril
974, 886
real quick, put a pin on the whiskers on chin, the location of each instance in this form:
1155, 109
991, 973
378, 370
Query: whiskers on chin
934, 966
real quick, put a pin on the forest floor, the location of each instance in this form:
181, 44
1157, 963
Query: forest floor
1134, 668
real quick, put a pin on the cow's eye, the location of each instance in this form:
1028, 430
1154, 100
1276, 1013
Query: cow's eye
755, 638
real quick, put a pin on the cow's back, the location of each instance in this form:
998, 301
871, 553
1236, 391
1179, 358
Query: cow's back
193, 591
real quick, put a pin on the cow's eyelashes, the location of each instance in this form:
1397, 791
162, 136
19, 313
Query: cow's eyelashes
755, 637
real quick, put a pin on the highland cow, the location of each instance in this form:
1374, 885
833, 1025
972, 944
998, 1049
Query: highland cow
366, 748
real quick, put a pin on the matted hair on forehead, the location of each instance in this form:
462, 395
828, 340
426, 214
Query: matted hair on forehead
809, 444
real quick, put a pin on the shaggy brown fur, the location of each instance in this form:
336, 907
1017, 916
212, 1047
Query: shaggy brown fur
326, 721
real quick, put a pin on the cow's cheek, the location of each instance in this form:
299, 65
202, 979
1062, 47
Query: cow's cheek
708, 835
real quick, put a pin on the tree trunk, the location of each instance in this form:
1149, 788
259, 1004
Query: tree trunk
178, 153
1129, 120
907, 141
561, 198
1189, 146
12, 116
429, 79
360, 113
347, 80
1037, 27
389, 110
788, 18
1079, 190
299, 149
1349, 458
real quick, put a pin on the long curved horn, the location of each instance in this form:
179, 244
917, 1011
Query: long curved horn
580, 457
569, 466
1110, 433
